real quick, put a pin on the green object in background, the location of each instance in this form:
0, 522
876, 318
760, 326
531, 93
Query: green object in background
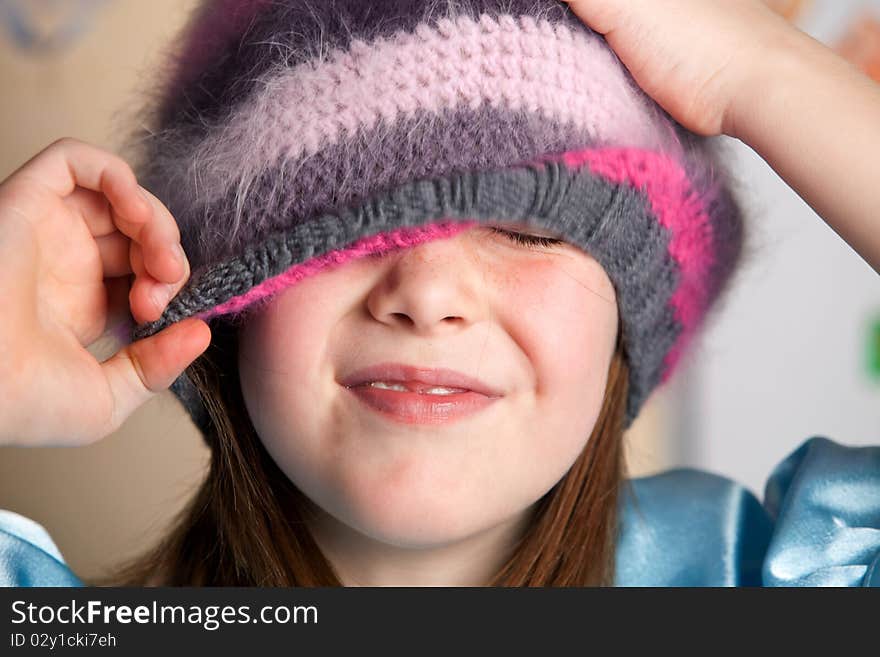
874, 348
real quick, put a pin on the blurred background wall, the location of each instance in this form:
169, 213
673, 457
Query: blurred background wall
104, 501
796, 351
787, 358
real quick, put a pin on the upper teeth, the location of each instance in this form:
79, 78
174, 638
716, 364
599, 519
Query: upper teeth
430, 391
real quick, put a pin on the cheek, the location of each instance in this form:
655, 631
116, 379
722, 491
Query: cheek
275, 405
281, 356
563, 316
275, 365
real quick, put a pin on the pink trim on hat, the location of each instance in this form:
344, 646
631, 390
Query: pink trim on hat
374, 244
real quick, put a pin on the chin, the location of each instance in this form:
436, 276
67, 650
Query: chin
418, 516
420, 534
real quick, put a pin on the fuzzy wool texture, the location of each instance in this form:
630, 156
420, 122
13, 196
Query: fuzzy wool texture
276, 122
320, 125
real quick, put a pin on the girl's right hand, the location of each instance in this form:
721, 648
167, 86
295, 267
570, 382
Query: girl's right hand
699, 59
74, 224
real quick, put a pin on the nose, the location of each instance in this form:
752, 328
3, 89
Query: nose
432, 288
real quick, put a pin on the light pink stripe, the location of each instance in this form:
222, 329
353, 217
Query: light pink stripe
374, 244
677, 208
517, 63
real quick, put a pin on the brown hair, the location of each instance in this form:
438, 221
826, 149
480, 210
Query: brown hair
245, 526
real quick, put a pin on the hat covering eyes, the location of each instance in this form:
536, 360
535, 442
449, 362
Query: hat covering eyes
292, 136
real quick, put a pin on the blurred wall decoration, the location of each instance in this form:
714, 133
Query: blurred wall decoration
860, 44
791, 9
47, 26
872, 348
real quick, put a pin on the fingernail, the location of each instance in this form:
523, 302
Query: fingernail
148, 204
180, 254
161, 294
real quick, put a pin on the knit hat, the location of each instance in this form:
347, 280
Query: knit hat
291, 136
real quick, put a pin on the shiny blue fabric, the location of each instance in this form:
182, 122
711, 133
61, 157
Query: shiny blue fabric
819, 525
28, 556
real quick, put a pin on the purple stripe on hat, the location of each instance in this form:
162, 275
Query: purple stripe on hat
420, 146
210, 29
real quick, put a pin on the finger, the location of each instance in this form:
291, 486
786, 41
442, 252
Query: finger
600, 15
93, 208
144, 368
98, 215
114, 249
149, 297
162, 231
68, 163
117, 299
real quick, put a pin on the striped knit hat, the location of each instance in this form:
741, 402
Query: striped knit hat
293, 135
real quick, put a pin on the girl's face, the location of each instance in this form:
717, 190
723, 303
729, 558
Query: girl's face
536, 323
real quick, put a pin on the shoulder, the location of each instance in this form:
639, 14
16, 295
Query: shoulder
690, 527
824, 499
819, 524
29, 556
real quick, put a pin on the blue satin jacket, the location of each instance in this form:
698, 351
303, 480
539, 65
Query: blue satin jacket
819, 525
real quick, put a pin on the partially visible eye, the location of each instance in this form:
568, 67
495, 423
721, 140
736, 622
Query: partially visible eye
525, 239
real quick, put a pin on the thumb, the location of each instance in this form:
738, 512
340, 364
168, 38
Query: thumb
140, 370
601, 15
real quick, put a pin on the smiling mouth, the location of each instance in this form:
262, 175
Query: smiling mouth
415, 386
414, 407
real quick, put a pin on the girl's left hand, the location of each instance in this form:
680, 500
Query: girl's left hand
694, 57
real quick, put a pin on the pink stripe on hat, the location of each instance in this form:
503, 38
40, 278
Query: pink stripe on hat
375, 244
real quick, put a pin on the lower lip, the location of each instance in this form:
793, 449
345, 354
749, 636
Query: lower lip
415, 408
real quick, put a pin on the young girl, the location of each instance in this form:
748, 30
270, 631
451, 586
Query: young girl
429, 280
